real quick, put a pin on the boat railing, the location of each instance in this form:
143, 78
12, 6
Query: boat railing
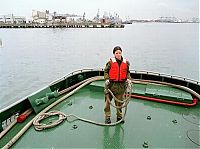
138, 71
132, 71
165, 75
82, 70
76, 72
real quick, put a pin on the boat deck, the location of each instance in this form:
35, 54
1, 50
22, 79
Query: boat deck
147, 124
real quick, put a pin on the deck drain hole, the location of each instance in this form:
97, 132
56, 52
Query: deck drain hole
149, 117
90, 107
74, 126
174, 121
70, 103
145, 144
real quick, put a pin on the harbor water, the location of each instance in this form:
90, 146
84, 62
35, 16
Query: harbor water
32, 58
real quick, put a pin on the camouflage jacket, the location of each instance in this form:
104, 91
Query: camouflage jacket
116, 87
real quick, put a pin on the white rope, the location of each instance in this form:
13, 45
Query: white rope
40, 126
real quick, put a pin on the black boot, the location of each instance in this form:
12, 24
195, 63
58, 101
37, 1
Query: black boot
108, 121
119, 118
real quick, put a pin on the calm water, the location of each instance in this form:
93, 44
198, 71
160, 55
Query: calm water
32, 58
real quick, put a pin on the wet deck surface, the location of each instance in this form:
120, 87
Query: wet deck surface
147, 124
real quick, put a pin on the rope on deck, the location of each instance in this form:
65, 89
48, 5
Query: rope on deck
26, 127
62, 116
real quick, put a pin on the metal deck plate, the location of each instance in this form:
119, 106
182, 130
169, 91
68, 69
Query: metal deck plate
167, 92
153, 90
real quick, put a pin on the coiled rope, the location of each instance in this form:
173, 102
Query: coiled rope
62, 116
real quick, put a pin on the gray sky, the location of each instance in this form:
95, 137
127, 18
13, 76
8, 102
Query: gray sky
134, 9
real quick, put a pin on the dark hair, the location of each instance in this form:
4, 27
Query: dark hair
117, 48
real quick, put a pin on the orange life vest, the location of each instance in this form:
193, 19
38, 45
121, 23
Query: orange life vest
118, 73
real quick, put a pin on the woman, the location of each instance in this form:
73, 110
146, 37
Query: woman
116, 74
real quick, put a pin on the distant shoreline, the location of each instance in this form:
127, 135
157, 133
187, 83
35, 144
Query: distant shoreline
80, 25
62, 25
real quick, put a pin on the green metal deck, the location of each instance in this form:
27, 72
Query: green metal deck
147, 124
154, 90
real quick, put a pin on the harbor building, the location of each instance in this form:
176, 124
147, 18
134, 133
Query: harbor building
39, 17
2, 19
47, 17
11, 19
107, 18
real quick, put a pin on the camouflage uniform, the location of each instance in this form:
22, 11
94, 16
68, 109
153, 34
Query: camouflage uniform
118, 89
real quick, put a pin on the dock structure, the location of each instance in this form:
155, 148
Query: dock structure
62, 25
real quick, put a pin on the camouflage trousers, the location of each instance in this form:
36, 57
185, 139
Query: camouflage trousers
107, 105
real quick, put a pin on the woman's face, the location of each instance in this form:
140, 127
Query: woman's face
118, 54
